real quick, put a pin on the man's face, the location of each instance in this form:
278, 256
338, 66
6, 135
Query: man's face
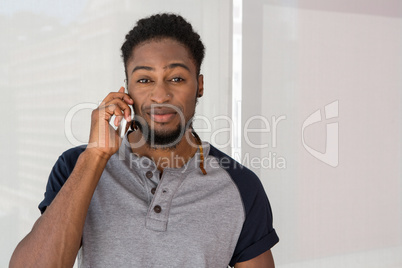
163, 82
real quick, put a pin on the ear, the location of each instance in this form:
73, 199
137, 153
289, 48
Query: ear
200, 86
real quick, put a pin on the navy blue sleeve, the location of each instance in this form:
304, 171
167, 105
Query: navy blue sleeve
59, 174
257, 235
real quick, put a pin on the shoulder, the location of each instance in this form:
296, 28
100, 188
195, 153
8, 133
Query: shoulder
239, 173
59, 174
66, 162
247, 182
70, 156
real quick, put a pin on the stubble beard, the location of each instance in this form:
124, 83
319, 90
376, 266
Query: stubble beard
164, 139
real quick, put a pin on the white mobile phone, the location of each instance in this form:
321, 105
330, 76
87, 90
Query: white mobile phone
122, 128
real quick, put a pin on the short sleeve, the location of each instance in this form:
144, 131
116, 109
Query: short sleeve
257, 234
59, 175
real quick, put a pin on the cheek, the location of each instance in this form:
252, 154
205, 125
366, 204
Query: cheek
190, 105
138, 100
136, 109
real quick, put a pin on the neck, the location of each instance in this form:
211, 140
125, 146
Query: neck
175, 157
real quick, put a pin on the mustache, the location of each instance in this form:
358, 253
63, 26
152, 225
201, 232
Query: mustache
161, 109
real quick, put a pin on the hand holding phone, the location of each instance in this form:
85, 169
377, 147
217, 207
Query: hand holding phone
123, 127
102, 137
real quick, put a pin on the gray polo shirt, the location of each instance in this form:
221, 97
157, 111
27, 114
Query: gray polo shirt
183, 218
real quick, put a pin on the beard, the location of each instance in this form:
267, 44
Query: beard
163, 139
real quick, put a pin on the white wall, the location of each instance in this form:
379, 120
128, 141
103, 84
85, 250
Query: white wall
298, 57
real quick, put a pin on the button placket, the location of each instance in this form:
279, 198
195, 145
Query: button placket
158, 212
161, 203
151, 183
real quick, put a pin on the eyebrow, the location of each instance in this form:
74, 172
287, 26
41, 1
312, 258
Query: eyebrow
170, 66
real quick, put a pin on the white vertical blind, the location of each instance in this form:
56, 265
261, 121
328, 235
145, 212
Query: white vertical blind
58, 57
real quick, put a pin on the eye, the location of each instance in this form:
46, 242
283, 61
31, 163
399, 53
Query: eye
177, 79
143, 80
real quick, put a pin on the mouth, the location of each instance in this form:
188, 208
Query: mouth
162, 118
162, 114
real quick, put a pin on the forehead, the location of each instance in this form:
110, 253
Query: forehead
159, 52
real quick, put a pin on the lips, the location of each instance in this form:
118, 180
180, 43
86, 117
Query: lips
162, 118
161, 114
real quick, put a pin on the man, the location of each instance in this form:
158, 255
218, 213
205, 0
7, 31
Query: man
165, 199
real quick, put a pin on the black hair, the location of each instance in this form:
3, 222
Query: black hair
161, 26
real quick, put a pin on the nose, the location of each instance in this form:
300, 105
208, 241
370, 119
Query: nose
160, 93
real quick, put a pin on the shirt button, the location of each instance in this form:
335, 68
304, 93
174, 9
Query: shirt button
149, 174
153, 190
157, 209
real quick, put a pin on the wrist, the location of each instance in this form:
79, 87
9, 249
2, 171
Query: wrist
96, 154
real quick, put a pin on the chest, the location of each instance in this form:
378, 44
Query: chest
185, 218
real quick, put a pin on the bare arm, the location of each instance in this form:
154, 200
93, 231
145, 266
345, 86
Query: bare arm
56, 236
265, 260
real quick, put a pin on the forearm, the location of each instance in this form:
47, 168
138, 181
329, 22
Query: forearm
264, 260
55, 238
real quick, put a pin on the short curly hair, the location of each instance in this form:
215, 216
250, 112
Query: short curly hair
161, 26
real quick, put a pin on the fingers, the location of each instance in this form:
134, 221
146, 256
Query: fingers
117, 103
118, 95
119, 108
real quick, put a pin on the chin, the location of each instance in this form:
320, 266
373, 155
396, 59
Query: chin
163, 138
